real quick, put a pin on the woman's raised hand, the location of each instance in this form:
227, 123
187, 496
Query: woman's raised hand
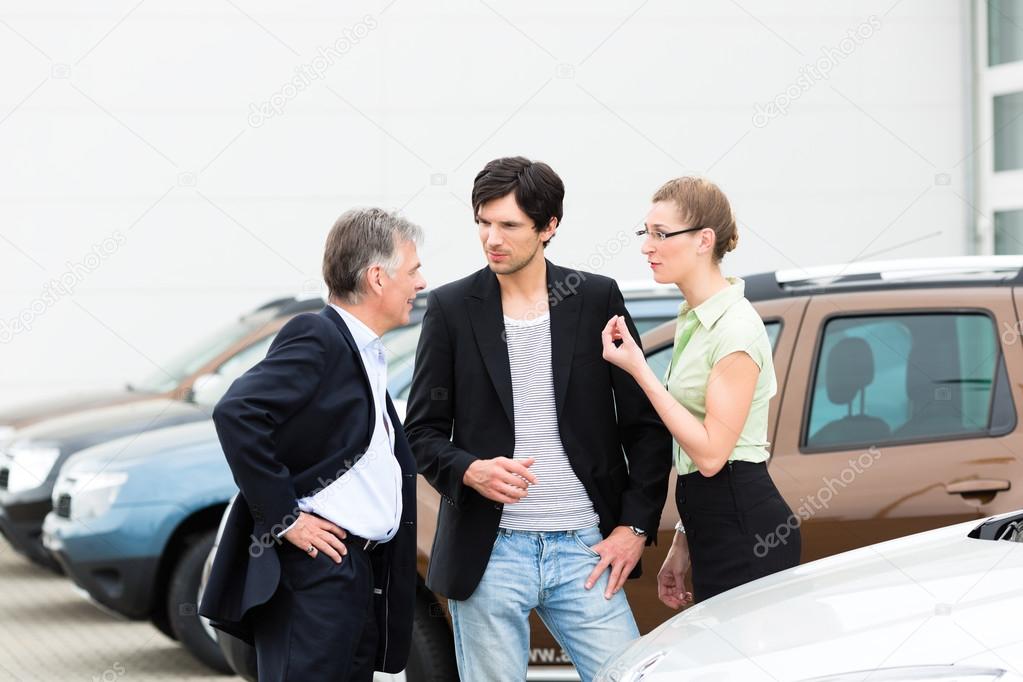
627, 354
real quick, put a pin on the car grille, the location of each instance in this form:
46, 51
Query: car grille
64, 506
5, 474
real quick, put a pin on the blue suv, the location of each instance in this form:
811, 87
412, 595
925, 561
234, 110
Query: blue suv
133, 521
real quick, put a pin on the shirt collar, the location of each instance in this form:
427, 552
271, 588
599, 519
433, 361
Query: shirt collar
362, 334
714, 307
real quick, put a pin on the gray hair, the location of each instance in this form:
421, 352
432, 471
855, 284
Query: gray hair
360, 239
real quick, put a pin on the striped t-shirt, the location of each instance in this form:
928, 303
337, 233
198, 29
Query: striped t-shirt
557, 501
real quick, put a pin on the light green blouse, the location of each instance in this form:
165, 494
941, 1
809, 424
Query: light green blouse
723, 324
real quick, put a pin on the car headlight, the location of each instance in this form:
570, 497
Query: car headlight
26, 466
86, 494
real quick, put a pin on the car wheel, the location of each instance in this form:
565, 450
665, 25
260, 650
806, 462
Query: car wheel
194, 633
161, 623
432, 658
240, 655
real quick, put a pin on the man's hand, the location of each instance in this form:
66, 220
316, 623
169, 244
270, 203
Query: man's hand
320, 534
671, 579
500, 479
620, 551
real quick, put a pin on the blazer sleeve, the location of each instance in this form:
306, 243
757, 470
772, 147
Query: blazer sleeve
431, 408
645, 439
256, 404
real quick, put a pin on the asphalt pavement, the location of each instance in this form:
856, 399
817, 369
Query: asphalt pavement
49, 632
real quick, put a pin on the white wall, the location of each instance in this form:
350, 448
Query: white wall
132, 122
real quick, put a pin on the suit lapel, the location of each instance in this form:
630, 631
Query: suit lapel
565, 306
487, 319
402, 450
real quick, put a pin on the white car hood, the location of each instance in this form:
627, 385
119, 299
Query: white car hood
935, 598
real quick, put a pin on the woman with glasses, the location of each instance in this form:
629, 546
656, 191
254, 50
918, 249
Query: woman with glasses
735, 526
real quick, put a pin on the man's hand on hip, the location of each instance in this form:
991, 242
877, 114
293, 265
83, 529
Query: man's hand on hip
311, 531
620, 551
500, 479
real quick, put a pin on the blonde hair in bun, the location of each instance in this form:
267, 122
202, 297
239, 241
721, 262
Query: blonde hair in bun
701, 203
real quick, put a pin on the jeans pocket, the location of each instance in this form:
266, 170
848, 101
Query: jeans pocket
497, 540
584, 545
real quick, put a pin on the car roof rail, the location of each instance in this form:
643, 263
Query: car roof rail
917, 269
301, 305
762, 286
276, 303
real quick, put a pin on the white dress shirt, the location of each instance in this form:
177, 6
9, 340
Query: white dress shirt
366, 500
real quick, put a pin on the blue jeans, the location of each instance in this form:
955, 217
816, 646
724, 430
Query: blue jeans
545, 571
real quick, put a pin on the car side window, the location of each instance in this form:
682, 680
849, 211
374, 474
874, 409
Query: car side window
660, 358
773, 329
904, 378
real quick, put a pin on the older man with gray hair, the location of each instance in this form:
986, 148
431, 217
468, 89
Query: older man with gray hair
317, 563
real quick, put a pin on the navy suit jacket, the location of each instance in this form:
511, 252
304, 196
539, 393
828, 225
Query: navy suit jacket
289, 427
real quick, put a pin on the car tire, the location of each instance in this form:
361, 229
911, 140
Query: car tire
161, 622
240, 655
183, 608
432, 658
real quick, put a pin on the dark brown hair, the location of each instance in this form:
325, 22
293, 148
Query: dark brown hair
539, 191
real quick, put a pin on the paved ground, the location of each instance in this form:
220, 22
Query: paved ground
49, 633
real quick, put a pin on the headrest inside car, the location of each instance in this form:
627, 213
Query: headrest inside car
850, 369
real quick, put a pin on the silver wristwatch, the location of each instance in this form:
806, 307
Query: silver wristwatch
638, 532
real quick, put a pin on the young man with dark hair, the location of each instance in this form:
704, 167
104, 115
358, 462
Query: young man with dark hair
551, 464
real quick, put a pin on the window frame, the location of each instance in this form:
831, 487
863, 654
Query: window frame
805, 449
995, 191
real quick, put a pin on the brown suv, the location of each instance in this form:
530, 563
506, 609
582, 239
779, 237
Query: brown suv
894, 414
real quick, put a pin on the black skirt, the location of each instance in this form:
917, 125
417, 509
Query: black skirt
738, 526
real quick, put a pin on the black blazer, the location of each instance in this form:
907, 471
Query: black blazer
290, 426
460, 409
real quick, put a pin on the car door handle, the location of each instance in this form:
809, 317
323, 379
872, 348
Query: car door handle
977, 485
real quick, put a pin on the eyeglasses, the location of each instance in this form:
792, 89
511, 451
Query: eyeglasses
661, 236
